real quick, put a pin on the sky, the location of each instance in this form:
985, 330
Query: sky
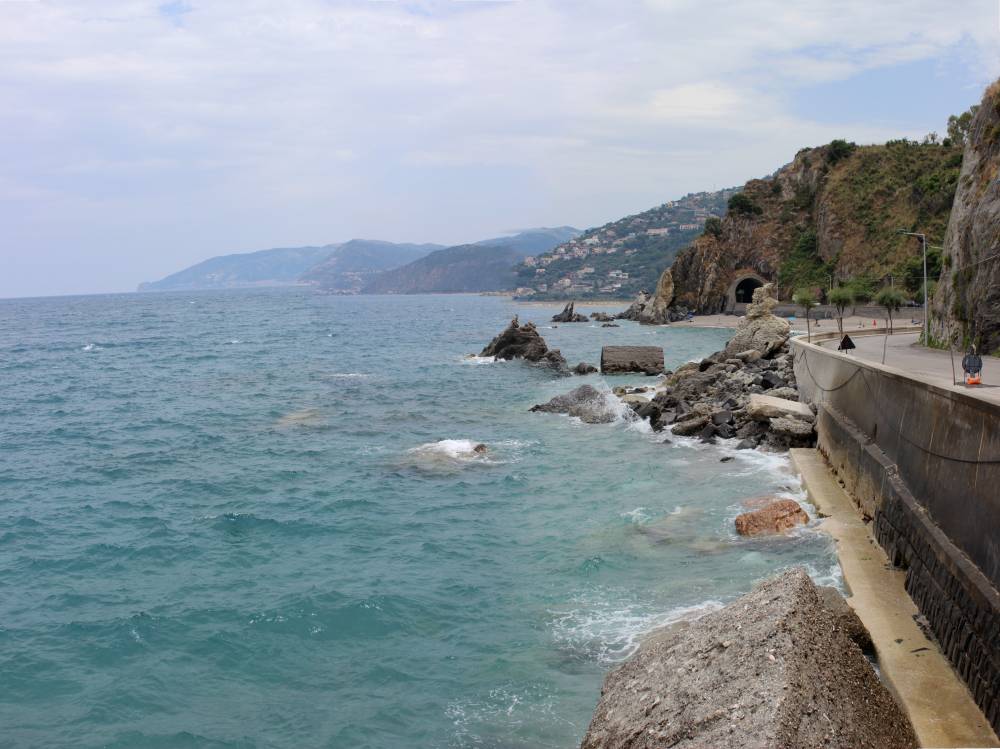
137, 138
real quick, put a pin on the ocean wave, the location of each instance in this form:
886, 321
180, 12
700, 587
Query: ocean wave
473, 359
449, 455
92, 347
610, 631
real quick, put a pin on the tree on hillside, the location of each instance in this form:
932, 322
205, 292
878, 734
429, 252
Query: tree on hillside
891, 299
841, 298
806, 300
959, 125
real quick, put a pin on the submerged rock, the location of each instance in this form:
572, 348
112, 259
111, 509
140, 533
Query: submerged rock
586, 402
771, 669
524, 342
569, 314
776, 517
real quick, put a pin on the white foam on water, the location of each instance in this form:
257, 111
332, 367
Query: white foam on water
637, 516
611, 631
235, 341
473, 359
348, 375
92, 347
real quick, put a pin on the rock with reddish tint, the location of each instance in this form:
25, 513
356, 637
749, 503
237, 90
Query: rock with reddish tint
776, 517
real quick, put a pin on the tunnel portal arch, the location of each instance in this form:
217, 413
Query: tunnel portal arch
742, 288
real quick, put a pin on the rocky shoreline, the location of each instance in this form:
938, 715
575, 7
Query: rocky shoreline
786, 664
723, 395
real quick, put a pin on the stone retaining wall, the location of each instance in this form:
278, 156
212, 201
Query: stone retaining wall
914, 456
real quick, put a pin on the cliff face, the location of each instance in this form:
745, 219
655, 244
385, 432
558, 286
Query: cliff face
967, 302
834, 211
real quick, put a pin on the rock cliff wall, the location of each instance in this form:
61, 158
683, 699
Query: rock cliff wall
967, 302
834, 211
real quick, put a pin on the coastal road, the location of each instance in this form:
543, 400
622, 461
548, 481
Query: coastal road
930, 365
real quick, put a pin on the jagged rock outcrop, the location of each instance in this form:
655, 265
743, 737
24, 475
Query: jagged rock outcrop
655, 309
601, 317
967, 301
525, 342
569, 314
833, 208
771, 669
760, 330
586, 403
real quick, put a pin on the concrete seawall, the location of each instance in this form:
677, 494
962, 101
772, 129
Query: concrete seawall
923, 463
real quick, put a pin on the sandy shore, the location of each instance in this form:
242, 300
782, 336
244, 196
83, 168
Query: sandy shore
613, 306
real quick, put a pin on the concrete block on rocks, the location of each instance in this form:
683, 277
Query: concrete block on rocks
766, 407
625, 359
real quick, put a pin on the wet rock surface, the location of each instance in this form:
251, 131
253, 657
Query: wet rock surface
525, 342
776, 516
772, 669
569, 314
586, 402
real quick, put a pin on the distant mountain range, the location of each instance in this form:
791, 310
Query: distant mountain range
489, 265
277, 267
372, 266
354, 265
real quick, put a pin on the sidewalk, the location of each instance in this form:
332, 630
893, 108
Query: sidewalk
931, 365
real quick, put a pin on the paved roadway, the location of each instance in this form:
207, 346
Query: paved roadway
932, 365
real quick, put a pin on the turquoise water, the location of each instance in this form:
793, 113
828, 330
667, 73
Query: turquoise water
229, 520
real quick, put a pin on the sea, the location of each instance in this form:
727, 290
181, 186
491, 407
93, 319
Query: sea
256, 519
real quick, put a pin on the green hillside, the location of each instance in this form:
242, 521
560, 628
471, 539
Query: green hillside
623, 257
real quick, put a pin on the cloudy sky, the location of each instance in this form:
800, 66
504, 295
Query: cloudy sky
139, 137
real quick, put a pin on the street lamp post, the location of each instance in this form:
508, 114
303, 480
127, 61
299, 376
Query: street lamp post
927, 319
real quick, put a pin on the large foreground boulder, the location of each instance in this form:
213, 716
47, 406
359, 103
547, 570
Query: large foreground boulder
586, 402
569, 314
772, 669
524, 342
760, 330
624, 359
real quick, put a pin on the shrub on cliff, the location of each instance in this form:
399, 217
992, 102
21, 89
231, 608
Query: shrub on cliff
713, 226
839, 149
740, 203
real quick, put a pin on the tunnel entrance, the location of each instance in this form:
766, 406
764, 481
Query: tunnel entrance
745, 288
